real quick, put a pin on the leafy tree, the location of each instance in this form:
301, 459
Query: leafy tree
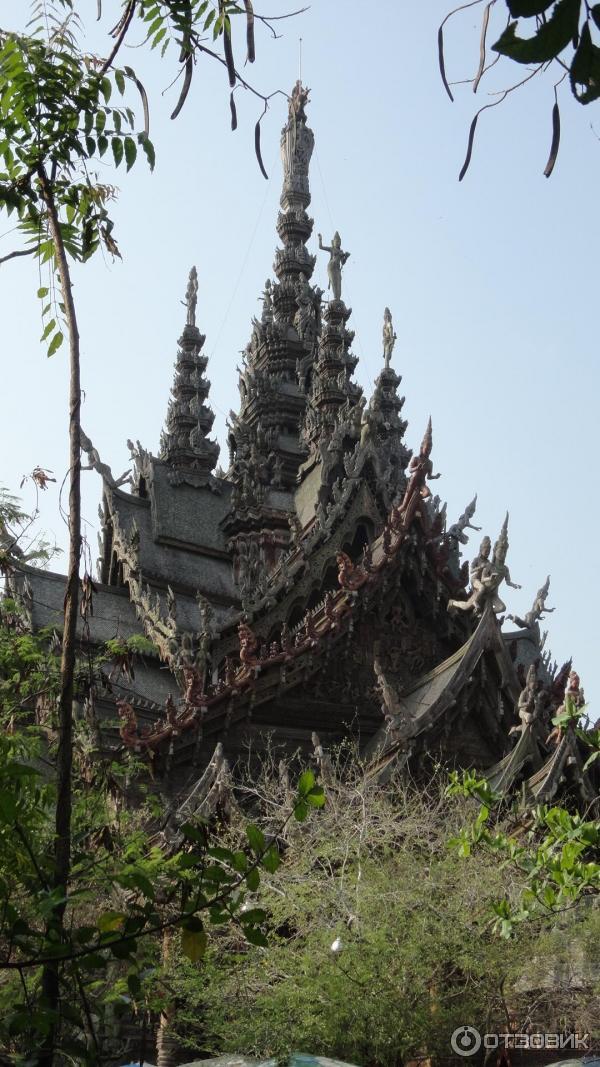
560, 36
130, 882
380, 941
555, 851
57, 122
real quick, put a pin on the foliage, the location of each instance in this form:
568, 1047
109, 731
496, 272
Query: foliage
557, 35
556, 852
128, 883
16, 539
380, 940
57, 123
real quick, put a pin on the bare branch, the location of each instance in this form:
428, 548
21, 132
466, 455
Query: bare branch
13, 255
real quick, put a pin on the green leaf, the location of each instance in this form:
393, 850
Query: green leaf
148, 149
301, 811
253, 916
8, 806
193, 944
120, 81
256, 838
111, 921
527, 8
306, 783
253, 880
42, 293
316, 797
134, 984
48, 329
255, 936
130, 152
585, 70
549, 41
197, 834
271, 859
122, 951
117, 147
92, 962
193, 923
55, 343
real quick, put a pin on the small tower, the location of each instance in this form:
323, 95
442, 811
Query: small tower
184, 444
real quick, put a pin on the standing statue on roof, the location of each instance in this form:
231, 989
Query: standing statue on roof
389, 337
420, 471
191, 297
528, 705
297, 102
267, 298
337, 259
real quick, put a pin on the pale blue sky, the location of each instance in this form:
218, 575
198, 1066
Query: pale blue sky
492, 283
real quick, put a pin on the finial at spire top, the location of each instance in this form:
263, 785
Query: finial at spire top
191, 297
427, 442
298, 101
389, 337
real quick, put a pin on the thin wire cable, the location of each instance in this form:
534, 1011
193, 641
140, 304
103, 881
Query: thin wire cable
365, 362
243, 267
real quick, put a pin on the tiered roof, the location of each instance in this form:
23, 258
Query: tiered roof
315, 585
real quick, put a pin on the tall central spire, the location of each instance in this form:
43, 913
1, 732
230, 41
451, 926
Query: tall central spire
284, 337
264, 437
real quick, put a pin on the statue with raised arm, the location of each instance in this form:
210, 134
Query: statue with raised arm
536, 613
337, 259
267, 299
96, 464
297, 102
389, 337
457, 530
191, 297
487, 576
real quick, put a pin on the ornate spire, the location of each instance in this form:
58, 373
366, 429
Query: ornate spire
333, 398
278, 357
184, 442
382, 425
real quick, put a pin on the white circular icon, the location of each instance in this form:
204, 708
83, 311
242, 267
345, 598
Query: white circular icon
466, 1041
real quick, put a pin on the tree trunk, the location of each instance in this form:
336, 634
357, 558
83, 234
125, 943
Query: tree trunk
166, 1046
64, 759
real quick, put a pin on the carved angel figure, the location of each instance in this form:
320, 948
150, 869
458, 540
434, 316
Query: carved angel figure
248, 645
389, 337
337, 259
191, 297
349, 576
95, 463
536, 613
456, 532
487, 576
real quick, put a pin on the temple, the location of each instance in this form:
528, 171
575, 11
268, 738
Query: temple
315, 590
